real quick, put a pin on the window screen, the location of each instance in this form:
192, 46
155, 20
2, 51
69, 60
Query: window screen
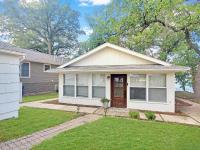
82, 85
25, 68
98, 85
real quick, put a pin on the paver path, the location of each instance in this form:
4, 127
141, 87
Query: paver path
27, 142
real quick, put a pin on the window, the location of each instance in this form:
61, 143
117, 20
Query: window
98, 85
25, 70
47, 67
138, 87
157, 88
82, 85
69, 85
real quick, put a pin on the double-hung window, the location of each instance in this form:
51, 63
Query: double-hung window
138, 87
82, 85
69, 85
25, 70
157, 88
98, 85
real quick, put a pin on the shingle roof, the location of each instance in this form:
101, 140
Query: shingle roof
127, 68
34, 56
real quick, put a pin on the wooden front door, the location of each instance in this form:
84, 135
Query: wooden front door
118, 90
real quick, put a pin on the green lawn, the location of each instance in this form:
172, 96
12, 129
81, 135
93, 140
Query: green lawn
40, 97
124, 134
31, 120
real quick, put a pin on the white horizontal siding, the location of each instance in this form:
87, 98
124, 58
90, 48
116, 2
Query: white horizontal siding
9, 68
9, 115
9, 88
9, 78
9, 107
10, 92
9, 97
9, 59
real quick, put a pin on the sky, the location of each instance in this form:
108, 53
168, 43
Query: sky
86, 8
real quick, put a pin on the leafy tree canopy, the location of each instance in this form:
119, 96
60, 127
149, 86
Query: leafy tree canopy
172, 26
45, 25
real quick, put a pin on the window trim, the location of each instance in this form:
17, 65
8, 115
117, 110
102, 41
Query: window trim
46, 65
26, 77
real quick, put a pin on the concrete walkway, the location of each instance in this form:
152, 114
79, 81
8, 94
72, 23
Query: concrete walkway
192, 116
27, 142
193, 110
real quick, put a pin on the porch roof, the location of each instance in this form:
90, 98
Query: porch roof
120, 68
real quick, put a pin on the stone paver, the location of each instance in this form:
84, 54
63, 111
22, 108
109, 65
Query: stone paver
89, 110
179, 119
142, 116
27, 142
158, 117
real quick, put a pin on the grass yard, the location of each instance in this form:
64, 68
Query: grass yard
40, 97
31, 120
123, 134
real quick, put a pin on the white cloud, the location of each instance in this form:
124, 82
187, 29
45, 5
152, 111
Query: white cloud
94, 2
87, 30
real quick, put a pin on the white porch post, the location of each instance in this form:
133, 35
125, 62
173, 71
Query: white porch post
128, 90
108, 91
90, 86
61, 83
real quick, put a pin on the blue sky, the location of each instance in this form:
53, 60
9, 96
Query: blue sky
86, 8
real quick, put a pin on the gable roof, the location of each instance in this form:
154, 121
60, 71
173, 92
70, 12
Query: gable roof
34, 56
118, 48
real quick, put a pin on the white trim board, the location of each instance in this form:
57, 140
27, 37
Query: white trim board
121, 49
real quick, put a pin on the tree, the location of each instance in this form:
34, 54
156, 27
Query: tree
172, 25
45, 25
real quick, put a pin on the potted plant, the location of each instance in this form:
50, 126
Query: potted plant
105, 102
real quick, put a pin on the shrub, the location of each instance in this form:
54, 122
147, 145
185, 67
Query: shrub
134, 114
150, 115
105, 100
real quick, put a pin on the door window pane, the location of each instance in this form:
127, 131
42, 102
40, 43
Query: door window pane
118, 86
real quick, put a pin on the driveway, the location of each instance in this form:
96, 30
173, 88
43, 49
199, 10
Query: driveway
189, 108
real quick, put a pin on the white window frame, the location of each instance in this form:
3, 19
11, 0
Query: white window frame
138, 100
46, 65
97, 86
147, 88
29, 70
89, 86
157, 87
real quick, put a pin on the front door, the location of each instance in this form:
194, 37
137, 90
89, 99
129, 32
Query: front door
118, 90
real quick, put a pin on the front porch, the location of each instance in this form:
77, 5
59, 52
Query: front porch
152, 91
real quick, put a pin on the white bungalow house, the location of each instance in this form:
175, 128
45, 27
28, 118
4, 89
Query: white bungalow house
129, 79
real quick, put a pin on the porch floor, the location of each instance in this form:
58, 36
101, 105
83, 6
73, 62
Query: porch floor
120, 112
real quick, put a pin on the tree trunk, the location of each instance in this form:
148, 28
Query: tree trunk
49, 48
196, 83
